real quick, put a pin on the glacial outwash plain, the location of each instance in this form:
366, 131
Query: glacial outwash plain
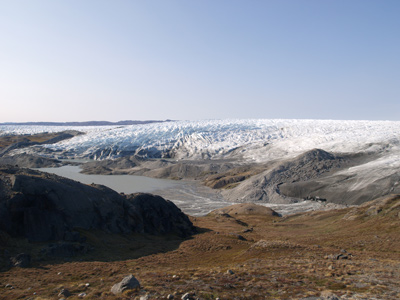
251, 209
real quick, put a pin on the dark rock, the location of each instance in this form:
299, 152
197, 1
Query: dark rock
44, 207
188, 296
30, 161
22, 260
244, 209
64, 293
107, 166
65, 249
158, 216
238, 236
74, 236
128, 283
341, 256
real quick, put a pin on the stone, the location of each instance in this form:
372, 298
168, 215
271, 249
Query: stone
128, 283
187, 296
64, 293
170, 297
328, 295
230, 272
22, 260
238, 236
341, 256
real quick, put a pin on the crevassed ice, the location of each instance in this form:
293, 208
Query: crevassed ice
255, 140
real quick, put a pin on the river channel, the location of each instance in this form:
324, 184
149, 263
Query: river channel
191, 197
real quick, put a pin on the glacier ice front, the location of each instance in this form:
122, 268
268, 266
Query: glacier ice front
247, 140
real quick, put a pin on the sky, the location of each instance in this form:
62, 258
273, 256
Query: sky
73, 60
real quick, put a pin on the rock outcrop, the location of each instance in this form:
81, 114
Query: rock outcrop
11, 143
264, 187
245, 209
30, 161
108, 167
387, 206
44, 207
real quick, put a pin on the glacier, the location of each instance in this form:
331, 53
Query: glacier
243, 140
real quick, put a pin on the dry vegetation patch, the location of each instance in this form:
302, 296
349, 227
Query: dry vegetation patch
240, 257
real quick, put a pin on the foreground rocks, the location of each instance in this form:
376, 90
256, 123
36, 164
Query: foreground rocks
43, 207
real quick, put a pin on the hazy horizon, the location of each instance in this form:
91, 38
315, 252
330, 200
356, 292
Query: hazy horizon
190, 120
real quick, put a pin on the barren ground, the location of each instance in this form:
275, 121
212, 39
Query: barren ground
268, 258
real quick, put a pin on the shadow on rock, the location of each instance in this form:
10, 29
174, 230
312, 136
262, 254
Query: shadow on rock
54, 217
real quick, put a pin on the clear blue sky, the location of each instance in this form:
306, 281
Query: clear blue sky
210, 59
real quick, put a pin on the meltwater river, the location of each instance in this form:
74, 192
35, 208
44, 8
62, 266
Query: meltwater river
190, 196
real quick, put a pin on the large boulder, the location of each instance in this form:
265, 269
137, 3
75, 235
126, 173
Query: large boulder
128, 283
22, 260
45, 207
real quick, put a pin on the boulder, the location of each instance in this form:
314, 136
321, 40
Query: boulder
64, 293
22, 260
187, 296
128, 283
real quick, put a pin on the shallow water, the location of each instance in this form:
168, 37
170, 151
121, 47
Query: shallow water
121, 183
190, 196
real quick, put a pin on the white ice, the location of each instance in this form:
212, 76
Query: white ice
249, 140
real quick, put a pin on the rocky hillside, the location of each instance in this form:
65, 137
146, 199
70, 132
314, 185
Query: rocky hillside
242, 252
8, 143
312, 165
44, 207
340, 178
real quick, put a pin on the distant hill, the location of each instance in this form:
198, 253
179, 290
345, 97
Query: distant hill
87, 123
